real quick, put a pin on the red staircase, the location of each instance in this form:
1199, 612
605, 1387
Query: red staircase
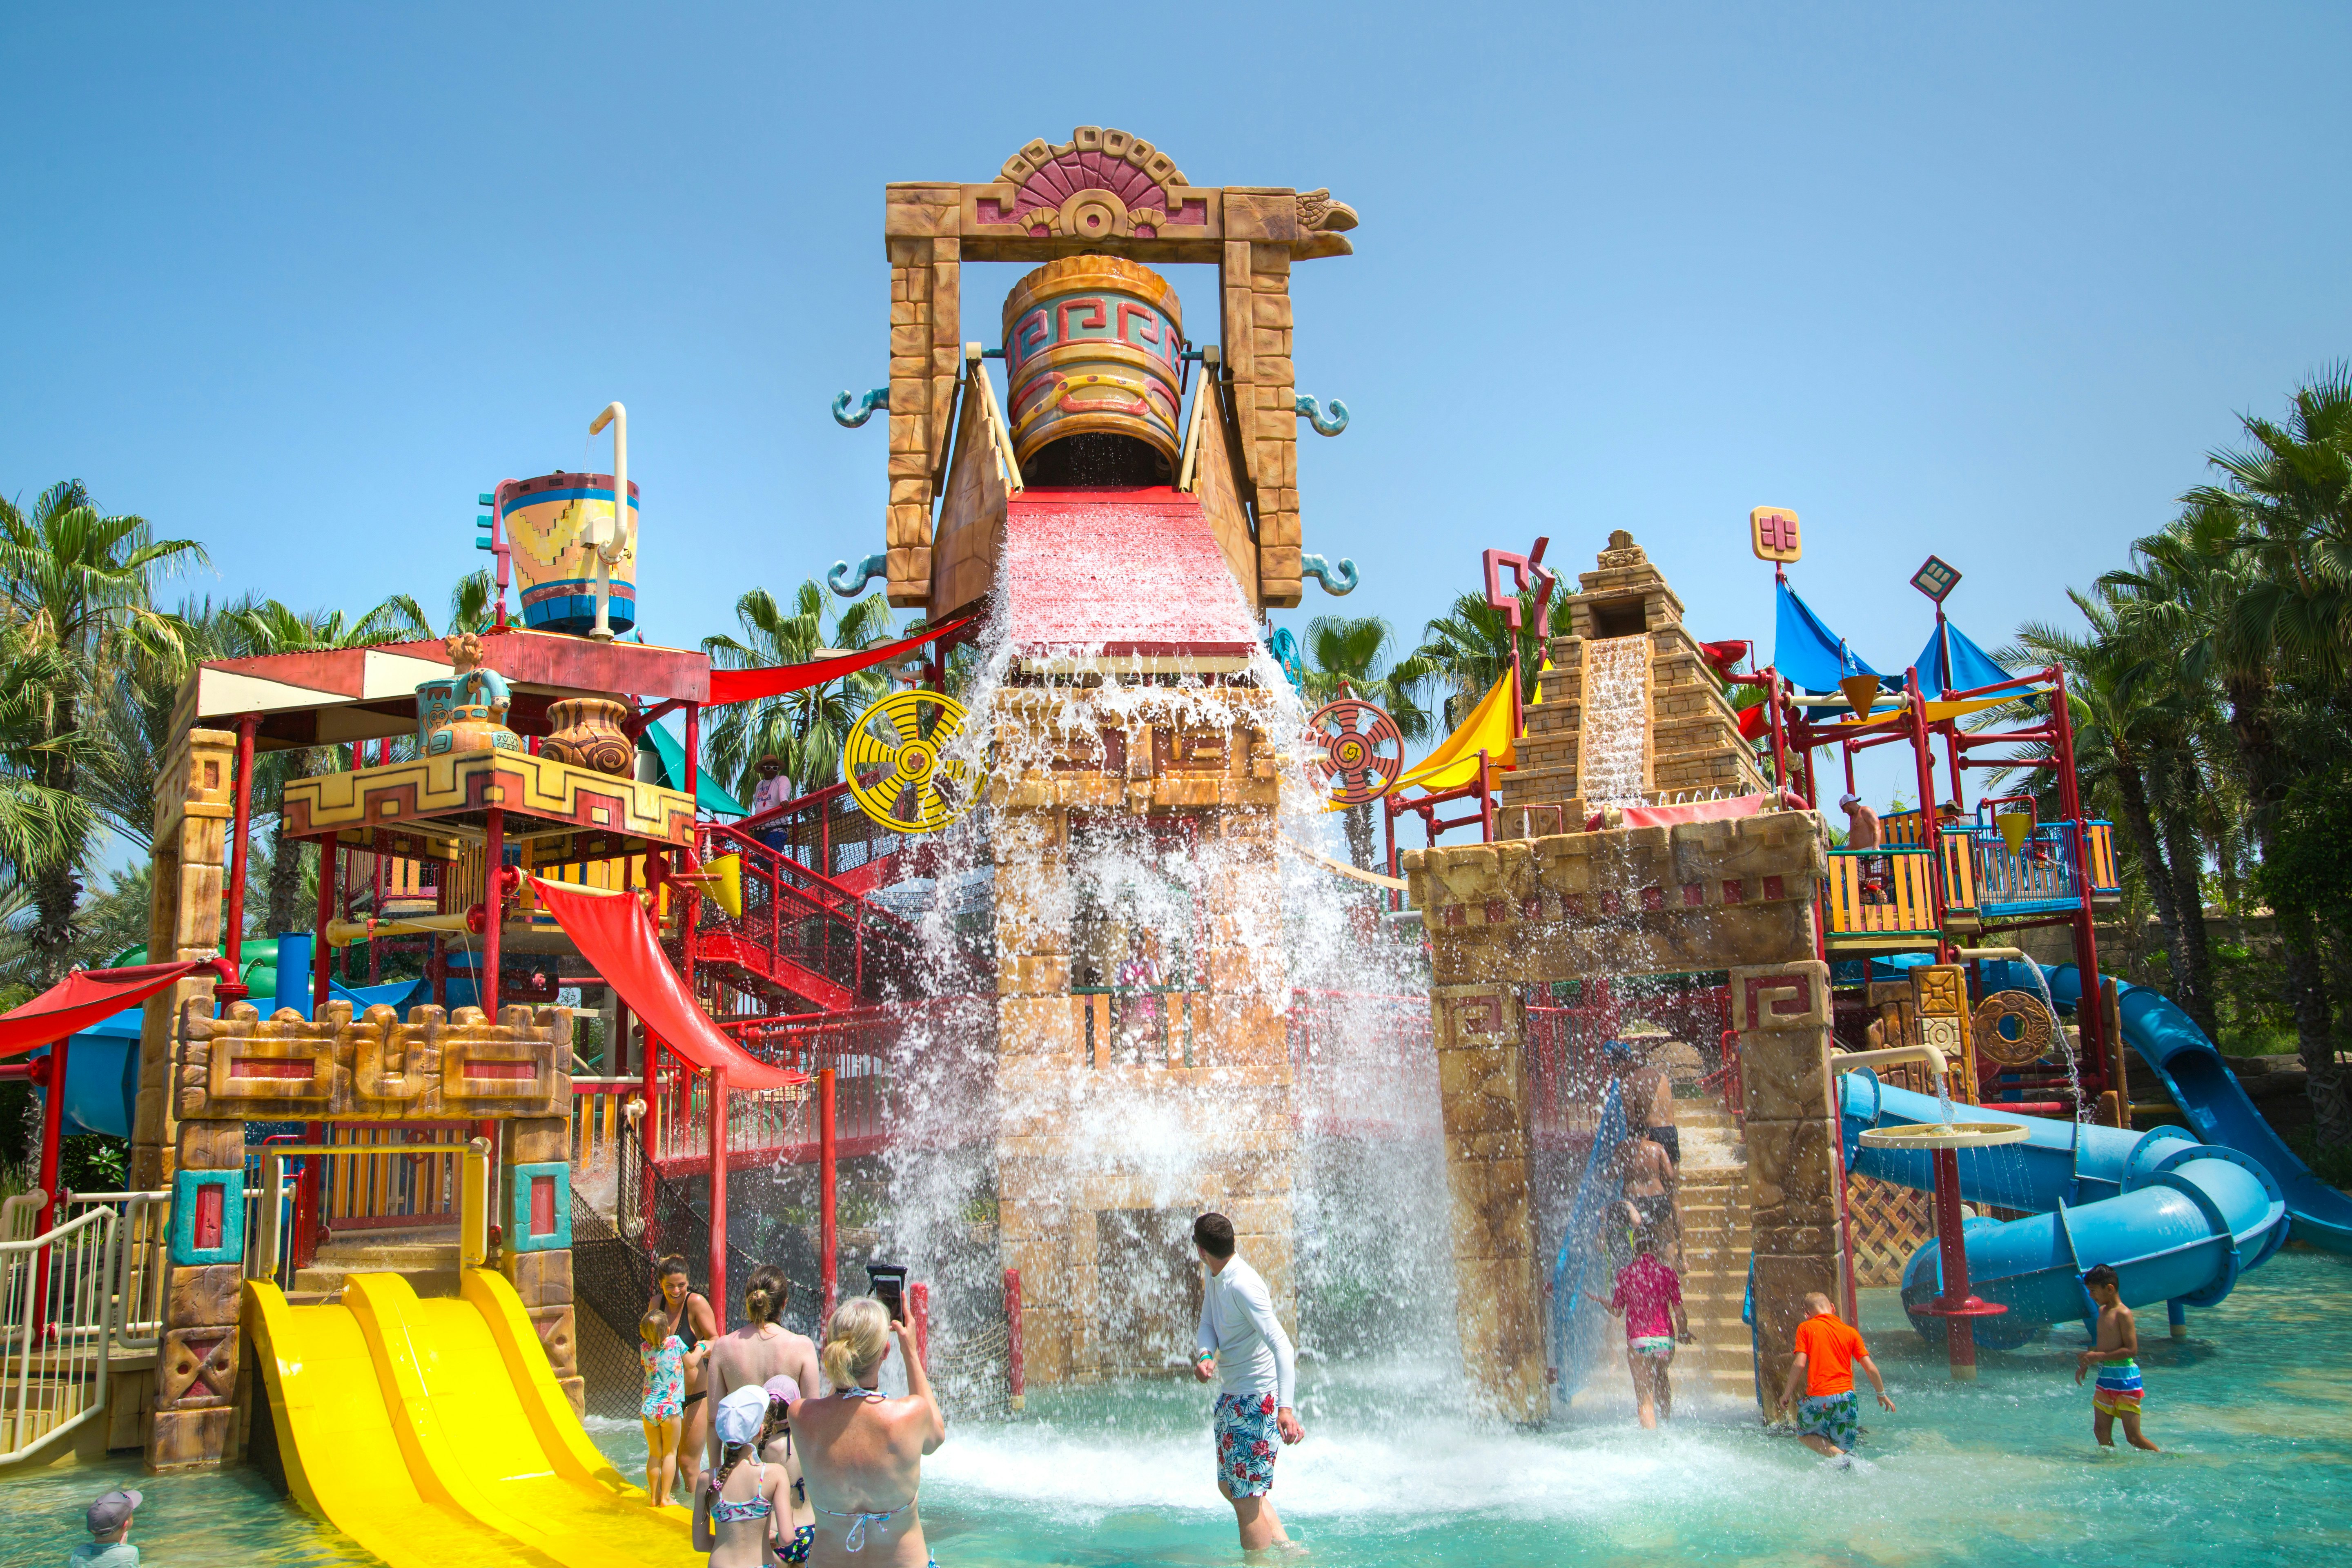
803, 942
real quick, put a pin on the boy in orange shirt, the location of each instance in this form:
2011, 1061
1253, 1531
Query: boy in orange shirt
1829, 1418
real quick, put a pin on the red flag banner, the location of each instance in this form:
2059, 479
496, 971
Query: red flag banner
747, 685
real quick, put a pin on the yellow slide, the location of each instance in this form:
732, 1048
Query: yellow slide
433, 1432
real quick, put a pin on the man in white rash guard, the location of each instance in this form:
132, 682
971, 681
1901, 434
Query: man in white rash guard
1241, 1342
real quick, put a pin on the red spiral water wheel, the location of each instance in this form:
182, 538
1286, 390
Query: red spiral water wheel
1362, 751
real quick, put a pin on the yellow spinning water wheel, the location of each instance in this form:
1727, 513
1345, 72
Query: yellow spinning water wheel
894, 766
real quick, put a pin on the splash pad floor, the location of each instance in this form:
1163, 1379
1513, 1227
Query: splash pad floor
2254, 1411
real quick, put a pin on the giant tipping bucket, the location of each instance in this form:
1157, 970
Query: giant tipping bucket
1093, 343
543, 520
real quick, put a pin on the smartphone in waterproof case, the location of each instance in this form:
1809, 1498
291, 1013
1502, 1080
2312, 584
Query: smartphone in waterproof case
890, 1281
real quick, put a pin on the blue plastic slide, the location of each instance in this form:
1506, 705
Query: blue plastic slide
2178, 1220
1582, 1280
2169, 1041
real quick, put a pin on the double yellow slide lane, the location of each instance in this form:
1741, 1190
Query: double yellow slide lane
433, 1432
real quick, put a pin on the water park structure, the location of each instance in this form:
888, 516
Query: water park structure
1059, 961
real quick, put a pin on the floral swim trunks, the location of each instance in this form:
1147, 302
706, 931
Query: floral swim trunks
1246, 1436
1836, 1416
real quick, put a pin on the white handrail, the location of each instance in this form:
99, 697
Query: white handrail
141, 1268
57, 1319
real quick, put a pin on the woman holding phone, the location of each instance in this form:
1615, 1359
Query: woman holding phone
861, 1453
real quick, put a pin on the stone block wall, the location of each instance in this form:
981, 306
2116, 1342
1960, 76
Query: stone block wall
1064, 1170
1515, 914
193, 807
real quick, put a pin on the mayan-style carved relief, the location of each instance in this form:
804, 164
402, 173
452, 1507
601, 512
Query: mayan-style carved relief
375, 1067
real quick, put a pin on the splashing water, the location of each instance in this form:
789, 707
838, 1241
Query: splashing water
1615, 731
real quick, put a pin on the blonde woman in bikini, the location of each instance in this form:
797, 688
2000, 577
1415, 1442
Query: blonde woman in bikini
862, 1454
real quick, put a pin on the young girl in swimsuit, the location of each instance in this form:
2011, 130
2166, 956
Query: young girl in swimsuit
776, 1448
863, 1454
739, 1517
665, 1360
691, 1317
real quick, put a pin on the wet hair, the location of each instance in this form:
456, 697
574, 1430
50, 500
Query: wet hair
1822, 1297
764, 1298
1214, 1234
855, 1340
654, 1328
2099, 1276
673, 1264
1645, 1241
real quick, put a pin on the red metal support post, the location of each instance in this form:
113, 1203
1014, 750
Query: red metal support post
718, 1194
240, 829
1016, 1349
321, 960
1923, 757
828, 1241
494, 909
2090, 1018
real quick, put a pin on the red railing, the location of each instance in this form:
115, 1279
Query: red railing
827, 831
797, 925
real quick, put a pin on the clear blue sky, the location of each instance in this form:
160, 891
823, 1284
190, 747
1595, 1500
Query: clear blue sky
1987, 280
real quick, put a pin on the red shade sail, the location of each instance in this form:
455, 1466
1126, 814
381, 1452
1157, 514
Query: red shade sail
746, 685
81, 1000
613, 934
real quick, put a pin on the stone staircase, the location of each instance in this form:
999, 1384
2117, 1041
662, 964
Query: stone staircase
428, 1258
1715, 1247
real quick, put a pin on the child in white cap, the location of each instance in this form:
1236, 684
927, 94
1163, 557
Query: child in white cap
109, 1545
740, 1513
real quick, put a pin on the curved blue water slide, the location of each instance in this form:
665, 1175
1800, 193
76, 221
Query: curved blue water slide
2192, 1066
1581, 1282
2178, 1220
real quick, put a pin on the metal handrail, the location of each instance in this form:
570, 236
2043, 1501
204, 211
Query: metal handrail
57, 1318
142, 1271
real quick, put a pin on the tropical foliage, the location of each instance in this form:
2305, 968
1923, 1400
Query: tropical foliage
803, 730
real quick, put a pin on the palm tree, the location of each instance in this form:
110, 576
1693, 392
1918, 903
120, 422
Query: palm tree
132, 719
806, 729
1468, 648
1347, 656
2252, 587
2126, 739
39, 826
78, 583
473, 601
271, 627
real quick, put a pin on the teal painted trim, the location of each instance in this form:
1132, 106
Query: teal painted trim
1337, 579
520, 1179
519, 503
185, 1185
1329, 424
850, 581
864, 406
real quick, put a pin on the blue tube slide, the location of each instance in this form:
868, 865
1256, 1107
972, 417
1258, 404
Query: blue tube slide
2178, 1220
2169, 1041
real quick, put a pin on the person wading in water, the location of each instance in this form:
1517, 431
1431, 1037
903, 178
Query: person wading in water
1241, 1342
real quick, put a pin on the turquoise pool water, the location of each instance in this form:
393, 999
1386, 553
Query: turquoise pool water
2255, 1410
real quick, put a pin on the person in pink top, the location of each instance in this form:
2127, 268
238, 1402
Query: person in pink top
1649, 1297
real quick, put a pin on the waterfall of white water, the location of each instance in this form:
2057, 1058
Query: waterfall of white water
1615, 728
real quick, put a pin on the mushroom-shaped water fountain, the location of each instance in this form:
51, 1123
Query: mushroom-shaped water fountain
1958, 1306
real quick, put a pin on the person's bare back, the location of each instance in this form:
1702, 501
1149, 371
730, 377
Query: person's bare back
862, 1454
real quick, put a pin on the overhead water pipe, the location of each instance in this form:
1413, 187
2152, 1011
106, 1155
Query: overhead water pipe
1935, 1061
608, 550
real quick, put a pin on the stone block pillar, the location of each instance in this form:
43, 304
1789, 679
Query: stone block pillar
193, 796
1482, 1076
196, 1367
535, 1249
1782, 1014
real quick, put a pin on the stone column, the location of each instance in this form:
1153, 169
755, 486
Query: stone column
1260, 226
196, 1368
920, 225
535, 1248
192, 808
1782, 1013
1482, 1078
1039, 1045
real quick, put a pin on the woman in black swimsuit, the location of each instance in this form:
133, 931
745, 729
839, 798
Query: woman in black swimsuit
691, 1319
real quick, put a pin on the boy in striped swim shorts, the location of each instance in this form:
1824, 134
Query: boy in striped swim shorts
2118, 1393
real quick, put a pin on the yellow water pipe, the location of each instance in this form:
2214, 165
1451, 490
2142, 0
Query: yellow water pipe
1937, 1062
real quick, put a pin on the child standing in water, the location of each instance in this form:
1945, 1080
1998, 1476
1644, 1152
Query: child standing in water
1829, 1414
2116, 1354
666, 1359
1649, 1294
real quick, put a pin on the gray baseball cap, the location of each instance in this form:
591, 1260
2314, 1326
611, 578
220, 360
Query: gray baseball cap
112, 1512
